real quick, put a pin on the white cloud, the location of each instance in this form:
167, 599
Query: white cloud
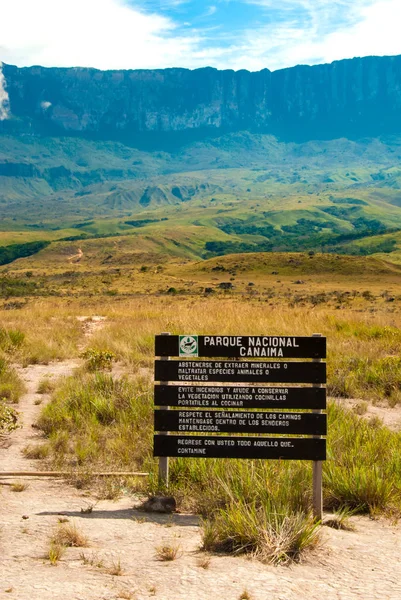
4, 101
107, 34
377, 32
113, 34
370, 27
210, 11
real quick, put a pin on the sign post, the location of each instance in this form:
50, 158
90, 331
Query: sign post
245, 387
163, 460
317, 467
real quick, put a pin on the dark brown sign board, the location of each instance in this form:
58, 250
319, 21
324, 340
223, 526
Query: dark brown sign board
218, 421
240, 371
240, 447
240, 346
279, 398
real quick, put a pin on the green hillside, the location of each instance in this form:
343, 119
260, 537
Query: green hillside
239, 193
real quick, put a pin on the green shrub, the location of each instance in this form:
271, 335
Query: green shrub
98, 360
8, 418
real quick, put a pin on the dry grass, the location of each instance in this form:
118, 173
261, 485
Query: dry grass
37, 452
361, 408
51, 330
363, 346
126, 594
103, 420
115, 568
19, 487
168, 552
70, 536
203, 561
46, 386
94, 560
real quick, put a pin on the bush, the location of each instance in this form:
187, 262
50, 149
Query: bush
98, 360
8, 418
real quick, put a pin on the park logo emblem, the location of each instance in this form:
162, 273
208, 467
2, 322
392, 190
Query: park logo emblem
188, 345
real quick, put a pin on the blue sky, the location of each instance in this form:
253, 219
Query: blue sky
227, 34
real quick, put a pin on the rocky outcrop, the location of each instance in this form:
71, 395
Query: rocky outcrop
347, 98
13, 169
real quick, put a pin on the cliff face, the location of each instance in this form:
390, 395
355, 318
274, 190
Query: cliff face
346, 98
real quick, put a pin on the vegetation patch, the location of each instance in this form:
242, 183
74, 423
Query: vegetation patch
16, 286
8, 418
11, 386
142, 222
10, 253
69, 535
99, 419
98, 360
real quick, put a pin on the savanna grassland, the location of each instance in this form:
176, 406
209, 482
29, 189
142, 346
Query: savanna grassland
102, 416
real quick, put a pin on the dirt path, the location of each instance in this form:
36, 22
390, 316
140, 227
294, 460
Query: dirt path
76, 257
360, 565
390, 417
11, 455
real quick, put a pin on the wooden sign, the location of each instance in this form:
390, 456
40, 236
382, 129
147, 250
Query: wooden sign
240, 447
240, 346
279, 398
207, 411
217, 421
240, 371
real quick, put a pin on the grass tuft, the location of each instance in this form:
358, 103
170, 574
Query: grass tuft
341, 519
69, 535
36, 452
93, 560
203, 561
167, 552
19, 487
55, 552
270, 536
46, 386
115, 568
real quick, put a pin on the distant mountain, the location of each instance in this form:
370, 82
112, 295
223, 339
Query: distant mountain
160, 108
203, 163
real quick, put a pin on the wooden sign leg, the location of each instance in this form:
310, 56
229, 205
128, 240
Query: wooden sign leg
163, 460
317, 490
163, 471
317, 468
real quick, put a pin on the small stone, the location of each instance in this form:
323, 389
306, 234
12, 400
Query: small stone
25, 517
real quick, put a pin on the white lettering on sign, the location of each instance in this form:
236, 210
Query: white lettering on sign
271, 345
268, 352
275, 342
227, 341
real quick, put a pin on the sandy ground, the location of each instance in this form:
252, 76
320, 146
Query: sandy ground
364, 564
